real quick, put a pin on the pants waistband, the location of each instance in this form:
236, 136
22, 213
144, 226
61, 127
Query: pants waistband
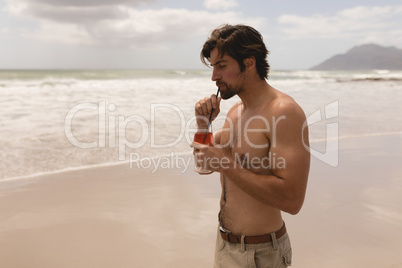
257, 239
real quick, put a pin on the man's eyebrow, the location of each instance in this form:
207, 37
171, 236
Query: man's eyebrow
216, 63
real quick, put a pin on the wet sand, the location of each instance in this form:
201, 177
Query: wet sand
120, 217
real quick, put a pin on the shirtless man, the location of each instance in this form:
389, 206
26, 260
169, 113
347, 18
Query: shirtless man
261, 152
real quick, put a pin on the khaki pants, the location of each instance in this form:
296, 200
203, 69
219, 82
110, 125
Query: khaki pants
275, 254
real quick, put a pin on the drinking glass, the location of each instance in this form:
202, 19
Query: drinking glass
202, 138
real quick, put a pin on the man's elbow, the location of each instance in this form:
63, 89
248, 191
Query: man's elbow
294, 210
294, 206
295, 200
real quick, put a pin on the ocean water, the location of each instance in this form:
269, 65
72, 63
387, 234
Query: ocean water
52, 120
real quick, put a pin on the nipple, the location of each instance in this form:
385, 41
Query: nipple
243, 159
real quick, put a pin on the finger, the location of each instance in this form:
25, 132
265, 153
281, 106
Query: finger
214, 101
204, 107
200, 162
208, 103
198, 146
198, 109
199, 157
217, 109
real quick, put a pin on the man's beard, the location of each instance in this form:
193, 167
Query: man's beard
229, 92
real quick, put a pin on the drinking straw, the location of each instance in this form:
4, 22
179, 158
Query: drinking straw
210, 117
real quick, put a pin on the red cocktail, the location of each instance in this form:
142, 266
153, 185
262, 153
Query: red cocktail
202, 138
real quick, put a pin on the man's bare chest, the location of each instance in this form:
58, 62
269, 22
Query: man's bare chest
247, 140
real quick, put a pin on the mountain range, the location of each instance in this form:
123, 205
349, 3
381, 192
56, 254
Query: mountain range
364, 57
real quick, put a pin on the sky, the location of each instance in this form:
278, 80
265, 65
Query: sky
169, 34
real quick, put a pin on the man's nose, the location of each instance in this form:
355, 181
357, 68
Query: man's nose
215, 75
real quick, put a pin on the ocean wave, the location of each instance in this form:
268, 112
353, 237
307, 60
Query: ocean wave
336, 76
38, 83
85, 167
187, 153
371, 79
363, 135
68, 169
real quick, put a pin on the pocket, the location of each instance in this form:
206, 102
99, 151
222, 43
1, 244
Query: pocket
251, 259
287, 257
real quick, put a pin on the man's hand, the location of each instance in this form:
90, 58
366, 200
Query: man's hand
211, 158
203, 109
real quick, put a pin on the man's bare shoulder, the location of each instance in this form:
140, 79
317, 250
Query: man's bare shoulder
285, 105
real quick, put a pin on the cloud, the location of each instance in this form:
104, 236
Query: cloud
220, 4
4, 30
362, 23
119, 25
80, 3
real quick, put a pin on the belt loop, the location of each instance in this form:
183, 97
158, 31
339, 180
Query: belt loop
220, 219
242, 246
274, 241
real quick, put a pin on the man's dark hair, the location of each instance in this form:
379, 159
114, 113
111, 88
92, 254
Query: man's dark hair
239, 42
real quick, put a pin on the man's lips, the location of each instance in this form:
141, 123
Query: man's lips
220, 84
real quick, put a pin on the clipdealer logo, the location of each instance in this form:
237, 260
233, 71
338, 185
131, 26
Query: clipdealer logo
331, 154
115, 126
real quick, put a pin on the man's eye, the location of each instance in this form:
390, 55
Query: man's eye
221, 66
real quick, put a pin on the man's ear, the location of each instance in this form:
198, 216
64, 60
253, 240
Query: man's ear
249, 62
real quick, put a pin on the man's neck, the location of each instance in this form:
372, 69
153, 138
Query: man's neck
255, 93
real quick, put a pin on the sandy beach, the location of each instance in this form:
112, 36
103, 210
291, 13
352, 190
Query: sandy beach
114, 216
